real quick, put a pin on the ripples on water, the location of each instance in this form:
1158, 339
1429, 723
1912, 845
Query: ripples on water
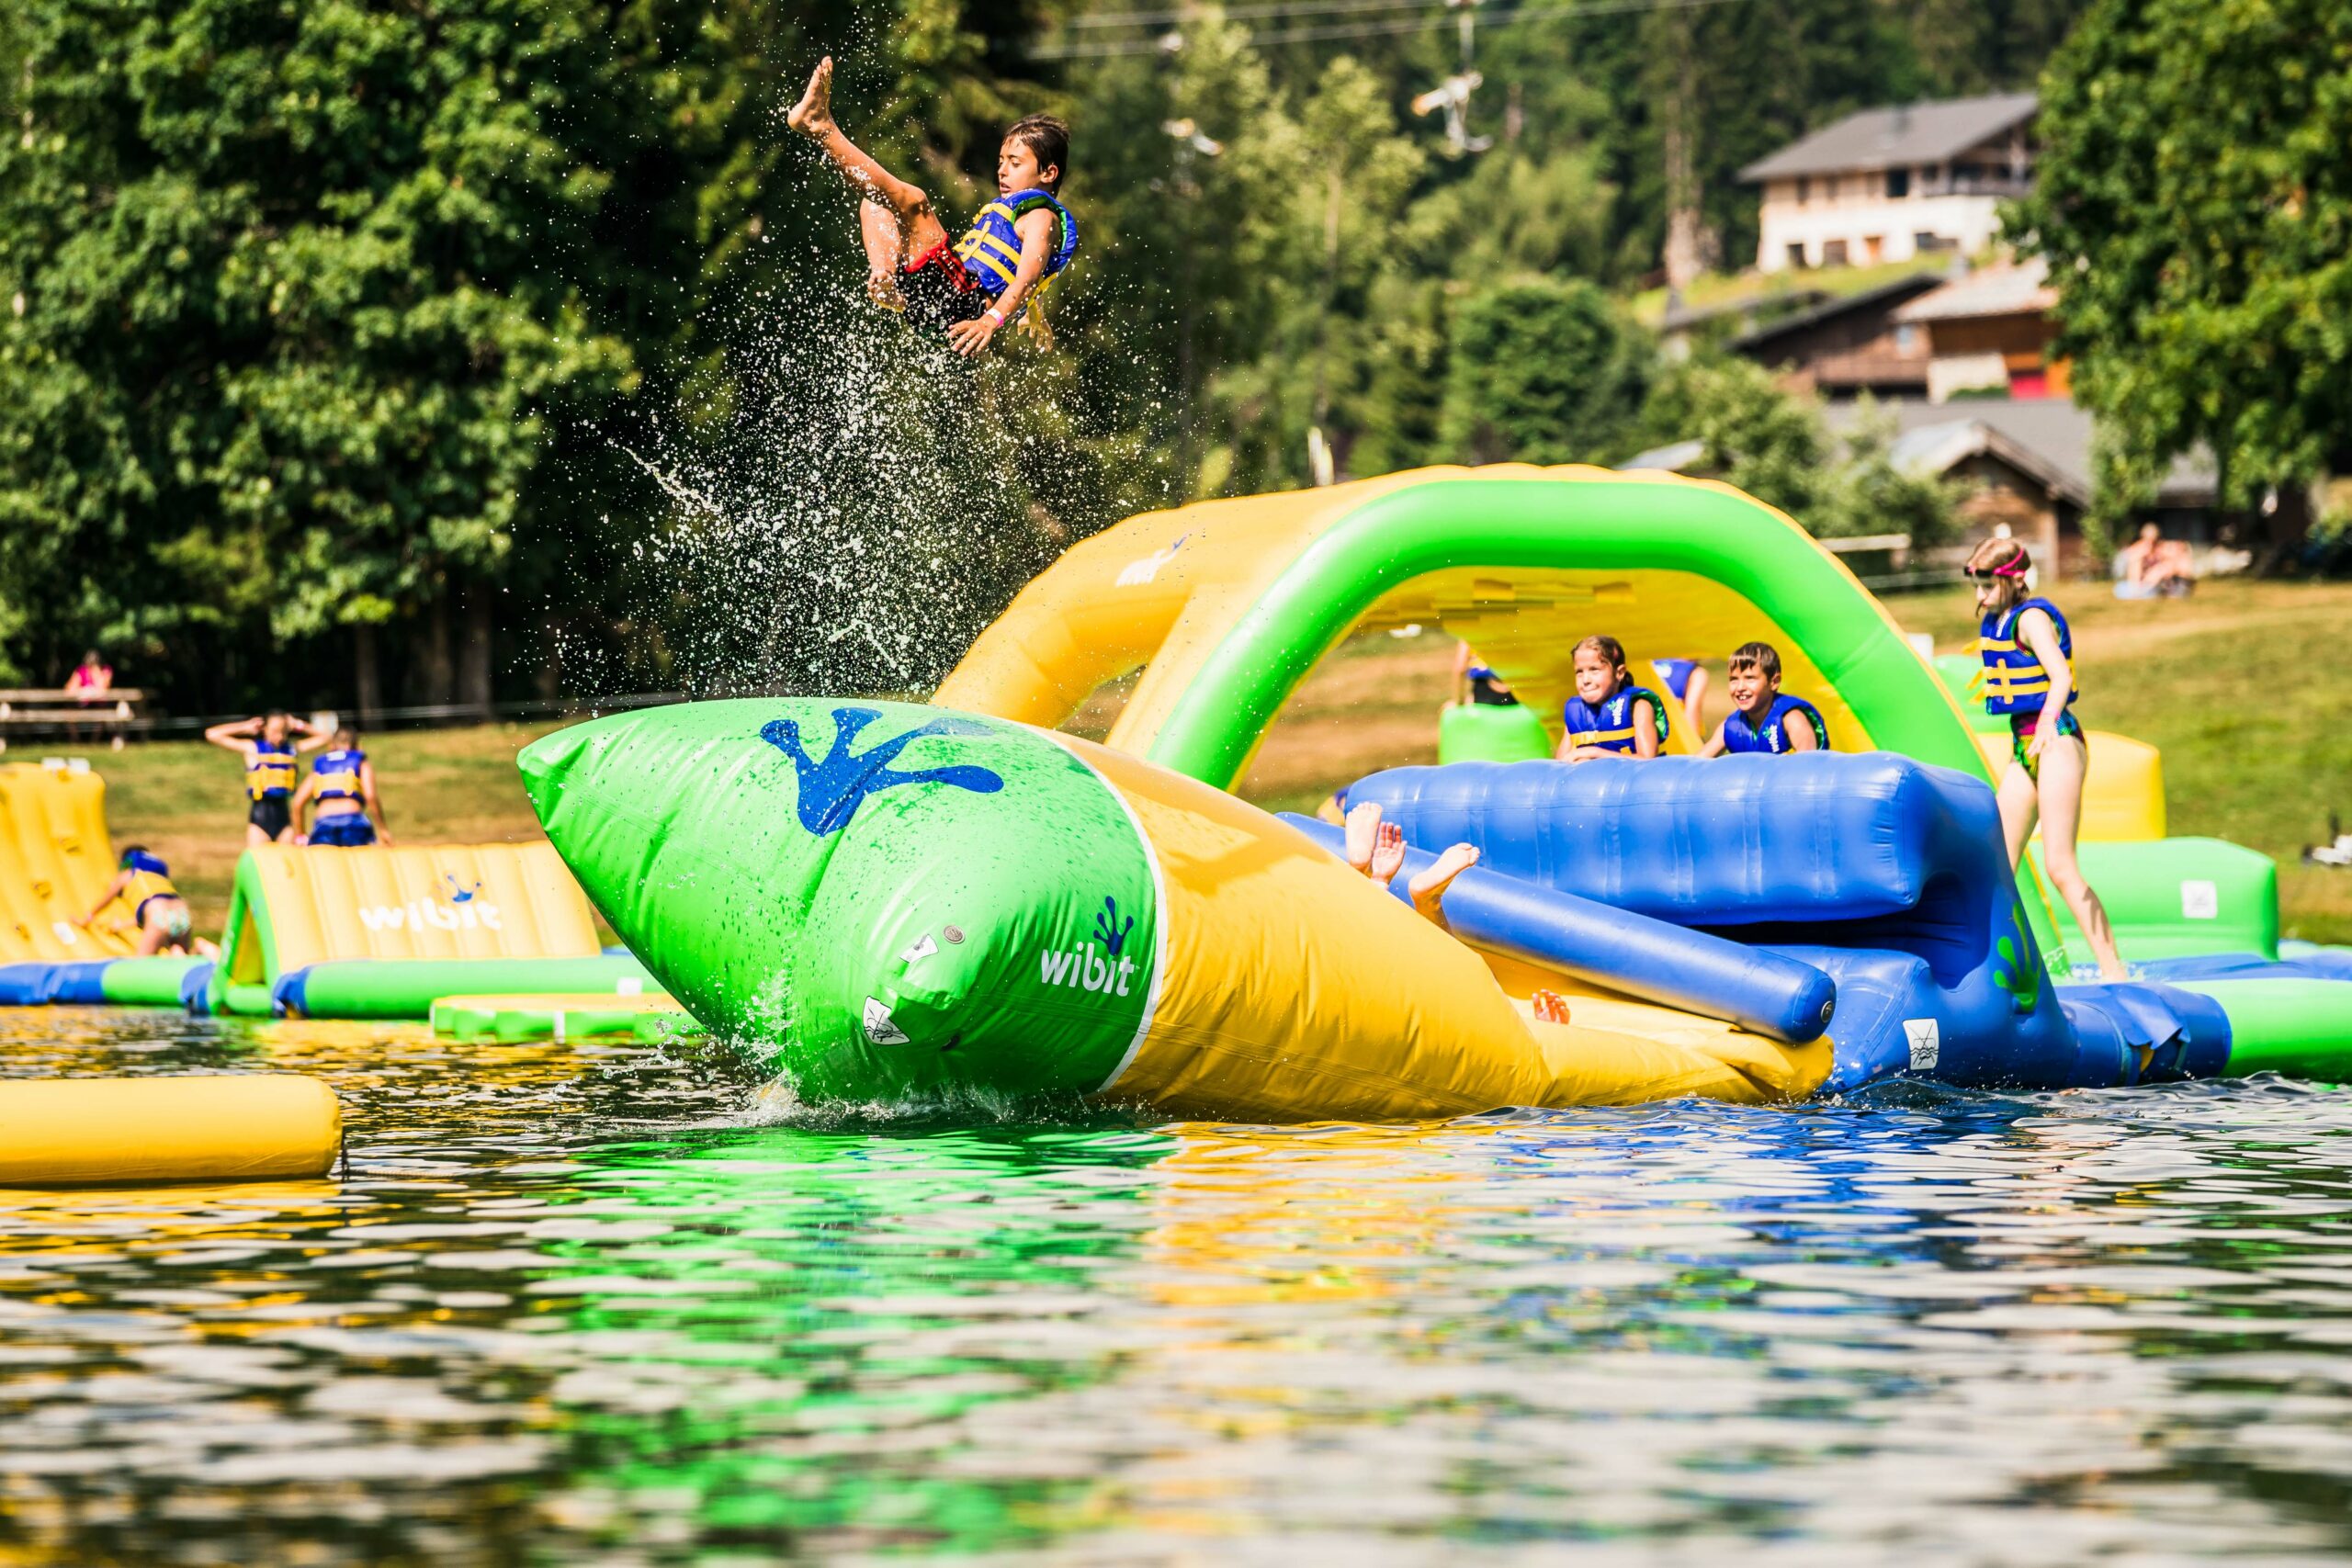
575, 1304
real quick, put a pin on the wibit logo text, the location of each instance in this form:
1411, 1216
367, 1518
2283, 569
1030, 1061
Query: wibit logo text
431, 914
1086, 970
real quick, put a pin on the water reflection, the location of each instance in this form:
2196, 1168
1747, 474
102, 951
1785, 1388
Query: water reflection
575, 1304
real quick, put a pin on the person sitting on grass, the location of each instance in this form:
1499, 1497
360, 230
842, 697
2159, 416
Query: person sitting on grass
1376, 849
342, 787
970, 287
159, 914
268, 747
1610, 717
1763, 718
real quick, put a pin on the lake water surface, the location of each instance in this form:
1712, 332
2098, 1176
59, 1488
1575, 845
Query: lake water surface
589, 1304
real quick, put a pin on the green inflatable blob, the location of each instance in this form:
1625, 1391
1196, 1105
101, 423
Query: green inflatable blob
1491, 732
904, 903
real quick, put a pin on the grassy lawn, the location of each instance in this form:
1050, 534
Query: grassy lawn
2239, 685
186, 800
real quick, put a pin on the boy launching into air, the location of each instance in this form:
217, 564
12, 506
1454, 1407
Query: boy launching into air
970, 286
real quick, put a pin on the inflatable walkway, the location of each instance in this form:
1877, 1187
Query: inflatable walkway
55, 859
382, 932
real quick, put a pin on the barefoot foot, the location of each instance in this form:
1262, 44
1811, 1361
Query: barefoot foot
1428, 888
1550, 1006
813, 115
1363, 836
1388, 855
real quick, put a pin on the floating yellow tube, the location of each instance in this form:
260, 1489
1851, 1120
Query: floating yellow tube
117, 1131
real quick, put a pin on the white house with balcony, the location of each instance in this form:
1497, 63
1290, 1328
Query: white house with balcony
1891, 184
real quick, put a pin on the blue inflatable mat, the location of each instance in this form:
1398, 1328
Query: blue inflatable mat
2319, 964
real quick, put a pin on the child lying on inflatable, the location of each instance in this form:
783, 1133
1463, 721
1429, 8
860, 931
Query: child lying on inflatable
1376, 849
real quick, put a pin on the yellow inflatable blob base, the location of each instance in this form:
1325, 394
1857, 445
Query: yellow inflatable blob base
140, 1131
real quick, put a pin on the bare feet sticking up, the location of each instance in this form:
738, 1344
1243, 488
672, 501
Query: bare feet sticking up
1428, 888
1363, 836
1388, 854
1549, 1006
813, 115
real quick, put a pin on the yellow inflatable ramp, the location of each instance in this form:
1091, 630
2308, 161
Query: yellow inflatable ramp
380, 932
55, 859
116, 1132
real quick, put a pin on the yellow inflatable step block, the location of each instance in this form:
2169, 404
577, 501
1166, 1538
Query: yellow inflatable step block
117, 1131
648, 1015
299, 907
2123, 793
56, 860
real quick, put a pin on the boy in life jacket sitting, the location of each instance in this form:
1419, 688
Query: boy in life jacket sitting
1763, 718
968, 287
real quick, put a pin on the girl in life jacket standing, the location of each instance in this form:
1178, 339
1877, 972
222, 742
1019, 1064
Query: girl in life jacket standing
269, 748
2029, 674
968, 287
342, 788
1610, 717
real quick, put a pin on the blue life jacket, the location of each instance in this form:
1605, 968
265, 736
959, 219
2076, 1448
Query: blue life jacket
1676, 673
1611, 725
1773, 735
991, 251
337, 775
2015, 680
269, 771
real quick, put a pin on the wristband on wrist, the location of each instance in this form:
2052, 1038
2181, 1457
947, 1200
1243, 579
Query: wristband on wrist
995, 318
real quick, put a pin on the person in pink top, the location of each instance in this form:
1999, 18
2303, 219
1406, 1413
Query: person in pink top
88, 685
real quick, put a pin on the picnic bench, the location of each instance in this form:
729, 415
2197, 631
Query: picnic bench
55, 709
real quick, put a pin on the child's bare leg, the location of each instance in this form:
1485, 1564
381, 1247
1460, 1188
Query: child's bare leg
906, 225
885, 249
1428, 888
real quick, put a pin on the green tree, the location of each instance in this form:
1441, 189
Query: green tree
1774, 447
2194, 204
1543, 370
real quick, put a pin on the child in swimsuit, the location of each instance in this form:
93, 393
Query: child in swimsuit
968, 287
2029, 671
269, 750
158, 912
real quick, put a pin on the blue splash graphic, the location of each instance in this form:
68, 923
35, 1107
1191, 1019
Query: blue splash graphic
1109, 932
831, 790
460, 894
